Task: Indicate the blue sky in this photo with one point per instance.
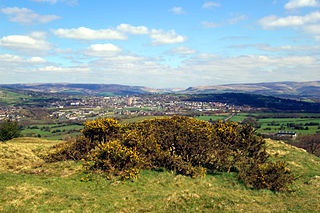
(159, 43)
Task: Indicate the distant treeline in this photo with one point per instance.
(258, 101)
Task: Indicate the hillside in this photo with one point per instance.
(280, 89)
(28, 184)
(283, 89)
(20, 97)
(258, 101)
(83, 89)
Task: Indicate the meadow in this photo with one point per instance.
(52, 131)
(274, 122)
(29, 184)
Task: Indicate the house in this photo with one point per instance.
(287, 134)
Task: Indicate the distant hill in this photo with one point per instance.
(279, 89)
(83, 89)
(258, 101)
(283, 89)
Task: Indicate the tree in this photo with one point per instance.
(311, 143)
(8, 130)
(252, 122)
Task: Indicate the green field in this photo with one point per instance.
(270, 123)
(52, 131)
(277, 124)
(29, 184)
(8, 97)
(135, 119)
(212, 117)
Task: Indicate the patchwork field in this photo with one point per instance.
(29, 184)
(303, 124)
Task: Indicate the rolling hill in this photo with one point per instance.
(83, 89)
(280, 89)
(283, 89)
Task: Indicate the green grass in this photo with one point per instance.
(55, 132)
(302, 118)
(213, 117)
(239, 117)
(8, 97)
(135, 119)
(28, 184)
(283, 121)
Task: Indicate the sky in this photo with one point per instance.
(159, 43)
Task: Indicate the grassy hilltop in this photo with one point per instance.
(29, 184)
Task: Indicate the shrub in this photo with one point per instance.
(114, 159)
(8, 130)
(176, 143)
(311, 143)
(73, 149)
(273, 176)
(181, 144)
(101, 129)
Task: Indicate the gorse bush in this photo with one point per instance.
(115, 160)
(181, 144)
(73, 149)
(101, 130)
(274, 176)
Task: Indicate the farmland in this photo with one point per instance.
(52, 131)
(303, 124)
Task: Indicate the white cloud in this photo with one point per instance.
(11, 65)
(177, 10)
(250, 68)
(182, 51)
(37, 60)
(283, 48)
(17, 60)
(83, 33)
(49, 1)
(25, 44)
(137, 30)
(237, 19)
(160, 37)
(207, 24)
(38, 35)
(293, 4)
(312, 29)
(26, 16)
(210, 4)
(72, 69)
(70, 2)
(273, 21)
(103, 50)
(133, 70)
(63, 51)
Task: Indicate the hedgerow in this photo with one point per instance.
(185, 145)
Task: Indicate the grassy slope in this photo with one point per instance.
(8, 97)
(29, 184)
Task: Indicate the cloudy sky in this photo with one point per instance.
(159, 43)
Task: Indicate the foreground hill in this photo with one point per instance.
(29, 184)
(294, 89)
